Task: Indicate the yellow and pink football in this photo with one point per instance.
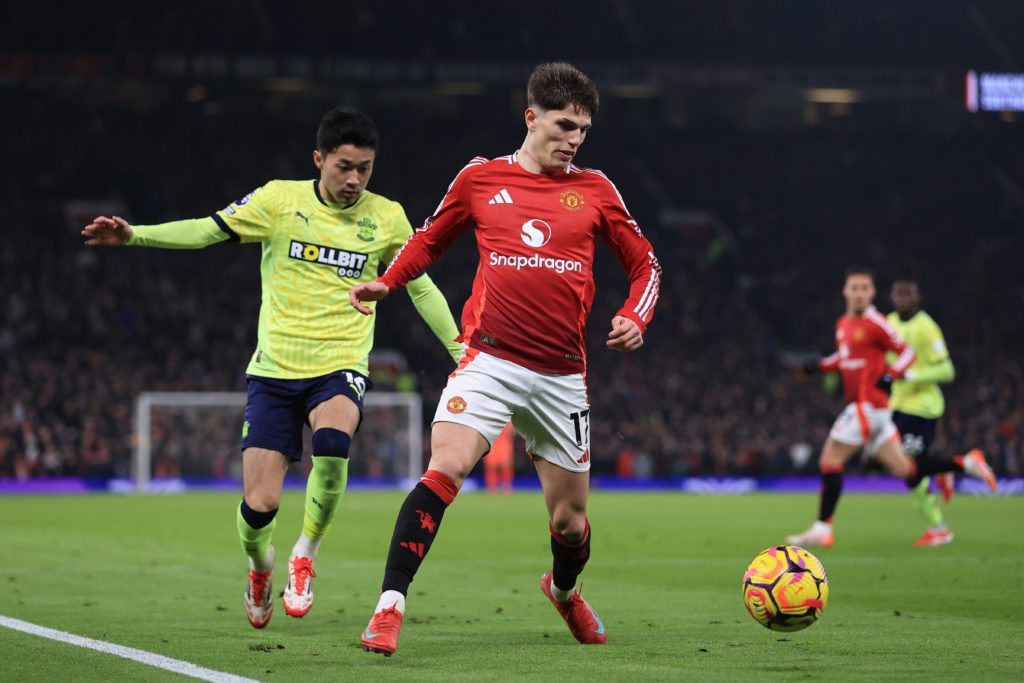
(785, 588)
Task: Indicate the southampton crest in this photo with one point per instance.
(366, 228)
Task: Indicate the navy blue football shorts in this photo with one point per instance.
(916, 432)
(277, 409)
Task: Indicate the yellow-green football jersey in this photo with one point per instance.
(924, 399)
(314, 252)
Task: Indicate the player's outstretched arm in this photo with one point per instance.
(192, 233)
(433, 308)
(625, 335)
(367, 291)
(941, 372)
(107, 231)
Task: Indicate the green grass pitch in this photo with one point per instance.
(165, 574)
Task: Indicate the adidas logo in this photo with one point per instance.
(502, 197)
(415, 547)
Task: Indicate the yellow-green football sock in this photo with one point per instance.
(324, 490)
(927, 503)
(255, 529)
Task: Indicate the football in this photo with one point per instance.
(785, 588)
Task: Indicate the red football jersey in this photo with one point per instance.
(536, 235)
(861, 343)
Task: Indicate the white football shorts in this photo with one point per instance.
(550, 411)
(862, 424)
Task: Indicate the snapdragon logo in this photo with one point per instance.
(559, 265)
(535, 233)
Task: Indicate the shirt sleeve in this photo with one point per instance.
(451, 218)
(623, 236)
(892, 341)
(936, 350)
(934, 363)
(433, 308)
(251, 218)
(194, 233)
(829, 363)
(400, 231)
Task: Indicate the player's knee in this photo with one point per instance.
(443, 486)
(902, 468)
(570, 523)
(453, 464)
(455, 449)
(331, 443)
(571, 534)
(831, 460)
(261, 500)
(256, 519)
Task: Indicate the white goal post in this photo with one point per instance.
(142, 461)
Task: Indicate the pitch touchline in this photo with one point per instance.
(159, 661)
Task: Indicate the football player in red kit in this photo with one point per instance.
(863, 336)
(537, 218)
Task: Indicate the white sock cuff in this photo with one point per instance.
(265, 564)
(561, 594)
(391, 599)
(306, 547)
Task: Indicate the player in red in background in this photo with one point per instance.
(499, 465)
(537, 219)
(862, 338)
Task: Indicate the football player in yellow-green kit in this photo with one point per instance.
(320, 238)
(917, 401)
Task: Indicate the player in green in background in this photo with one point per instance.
(917, 401)
(320, 238)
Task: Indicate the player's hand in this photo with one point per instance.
(810, 367)
(885, 383)
(896, 374)
(805, 370)
(105, 231)
(367, 291)
(625, 335)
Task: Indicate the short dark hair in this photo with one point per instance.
(345, 126)
(906, 273)
(558, 85)
(860, 270)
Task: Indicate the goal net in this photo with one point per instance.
(196, 436)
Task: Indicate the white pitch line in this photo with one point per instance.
(159, 661)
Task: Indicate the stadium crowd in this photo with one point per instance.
(753, 227)
(945, 33)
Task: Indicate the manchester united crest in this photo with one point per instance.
(571, 200)
(456, 404)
